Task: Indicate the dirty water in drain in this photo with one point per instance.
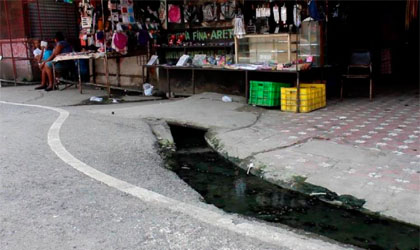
(230, 188)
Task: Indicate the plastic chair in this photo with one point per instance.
(360, 67)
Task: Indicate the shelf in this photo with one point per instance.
(264, 52)
(263, 42)
(267, 35)
(267, 52)
(277, 47)
(301, 55)
(197, 27)
(198, 47)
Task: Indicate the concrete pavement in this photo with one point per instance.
(67, 97)
(365, 154)
(47, 204)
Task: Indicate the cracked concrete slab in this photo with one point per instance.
(206, 110)
(353, 148)
(346, 170)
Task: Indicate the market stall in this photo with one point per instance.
(126, 32)
(262, 37)
(145, 41)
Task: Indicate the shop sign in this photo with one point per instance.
(206, 35)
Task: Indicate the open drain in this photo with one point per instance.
(231, 189)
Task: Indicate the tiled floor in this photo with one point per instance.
(390, 123)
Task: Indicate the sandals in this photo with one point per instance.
(41, 87)
(49, 89)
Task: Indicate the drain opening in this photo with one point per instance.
(230, 188)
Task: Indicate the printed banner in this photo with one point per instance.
(206, 35)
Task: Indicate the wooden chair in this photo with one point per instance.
(360, 67)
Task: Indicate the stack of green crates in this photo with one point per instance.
(265, 93)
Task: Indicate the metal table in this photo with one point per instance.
(193, 69)
(72, 57)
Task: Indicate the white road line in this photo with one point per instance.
(265, 233)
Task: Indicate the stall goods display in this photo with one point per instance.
(121, 30)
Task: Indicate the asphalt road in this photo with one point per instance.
(45, 203)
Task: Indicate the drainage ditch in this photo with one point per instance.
(230, 188)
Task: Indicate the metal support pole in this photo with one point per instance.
(67, 26)
(93, 63)
(118, 71)
(80, 77)
(39, 20)
(169, 82)
(297, 67)
(325, 36)
(142, 74)
(193, 81)
(27, 50)
(246, 86)
(108, 87)
(10, 40)
(53, 71)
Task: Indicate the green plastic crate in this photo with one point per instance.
(265, 93)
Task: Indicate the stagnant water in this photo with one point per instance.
(231, 189)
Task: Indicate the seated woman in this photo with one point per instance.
(62, 46)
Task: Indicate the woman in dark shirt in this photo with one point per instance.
(61, 47)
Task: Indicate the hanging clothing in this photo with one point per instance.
(143, 37)
(313, 10)
(297, 8)
(209, 12)
(283, 13)
(195, 15)
(411, 12)
(162, 14)
(267, 11)
(99, 39)
(227, 10)
(119, 42)
(276, 14)
(187, 13)
(83, 38)
(100, 24)
(238, 24)
(174, 13)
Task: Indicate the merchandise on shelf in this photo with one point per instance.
(124, 28)
(174, 13)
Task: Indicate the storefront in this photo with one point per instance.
(222, 45)
(257, 36)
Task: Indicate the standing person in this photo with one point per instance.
(62, 46)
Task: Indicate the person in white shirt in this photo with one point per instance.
(37, 51)
(41, 56)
